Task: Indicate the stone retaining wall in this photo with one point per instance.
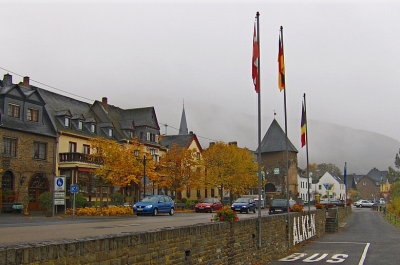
(209, 243)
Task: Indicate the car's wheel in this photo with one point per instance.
(211, 210)
(254, 210)
(155, 212)
(361, 205)
(247, 210)
(196, 211)
(172, 211)
(138, 214)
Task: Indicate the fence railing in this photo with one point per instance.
(393, 219)
(390, 217)
(78, 157)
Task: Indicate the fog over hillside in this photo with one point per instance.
(328, 143)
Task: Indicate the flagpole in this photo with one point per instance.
(345, 183)
(308, 170)
(259, 133)
(287, 152)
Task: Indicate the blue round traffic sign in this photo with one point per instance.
(60, 182)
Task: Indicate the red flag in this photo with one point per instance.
(256, 55)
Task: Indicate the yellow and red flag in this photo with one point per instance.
(255, 60)
(281, 66)
(303, 126)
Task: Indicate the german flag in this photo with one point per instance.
(303, 126)
(281, 66)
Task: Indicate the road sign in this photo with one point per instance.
(74, 188)
(59, 184)
(276, 171)
(59, 201)
(59, 195)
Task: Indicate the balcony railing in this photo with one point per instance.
(78, 157)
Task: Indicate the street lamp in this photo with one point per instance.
(144, 176)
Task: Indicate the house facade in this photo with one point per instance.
(28, 145)
(330, 187)
(304, 187)
(46, 134)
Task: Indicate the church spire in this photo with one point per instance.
(183, 129)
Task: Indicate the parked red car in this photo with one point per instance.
(208, 205)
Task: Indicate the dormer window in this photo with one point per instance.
(80, 125)
(14, 110)
(110, 132)
(67, 122)
(92, 128)
(33, 115)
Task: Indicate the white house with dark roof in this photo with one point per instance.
(330, 187)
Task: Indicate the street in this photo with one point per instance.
(18, 229)
(366, 239)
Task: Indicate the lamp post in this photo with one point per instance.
(144, 176)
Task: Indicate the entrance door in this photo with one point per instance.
(37, 185)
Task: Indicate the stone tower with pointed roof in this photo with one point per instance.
(273, 156)
(183, 129)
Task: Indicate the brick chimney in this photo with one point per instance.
(7, 80)
(25, 83)
(104, 101)
(233, 143)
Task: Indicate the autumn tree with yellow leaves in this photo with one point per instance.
(179, 169)
(119, 164)
(230, 168)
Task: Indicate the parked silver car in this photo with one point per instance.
(363, 203)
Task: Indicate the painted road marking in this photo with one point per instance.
(364, 254)
(327, 257)
(336, 258)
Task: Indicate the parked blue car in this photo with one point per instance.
(154, 204)
(244, 205)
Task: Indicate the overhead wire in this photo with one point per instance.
(89, 99)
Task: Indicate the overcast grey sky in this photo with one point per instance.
(343, 54)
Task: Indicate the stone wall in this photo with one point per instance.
(209, 243)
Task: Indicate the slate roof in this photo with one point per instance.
(377, 175)
(183, 128)
(59, 105)
(180, 140)
(275, 140)
(352, 180)
(44, 127)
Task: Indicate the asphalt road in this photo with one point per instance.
(366, 239)
(17, 229)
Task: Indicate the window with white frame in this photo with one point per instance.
(67, 122)
(80, 125)
(92, 128)
(110, 132)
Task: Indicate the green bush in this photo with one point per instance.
(117, 198)
(80, 201)
(46, 201)
(189, 204)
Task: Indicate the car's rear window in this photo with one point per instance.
(279, 203)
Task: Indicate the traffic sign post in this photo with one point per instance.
(74, 189)
(59, 192)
